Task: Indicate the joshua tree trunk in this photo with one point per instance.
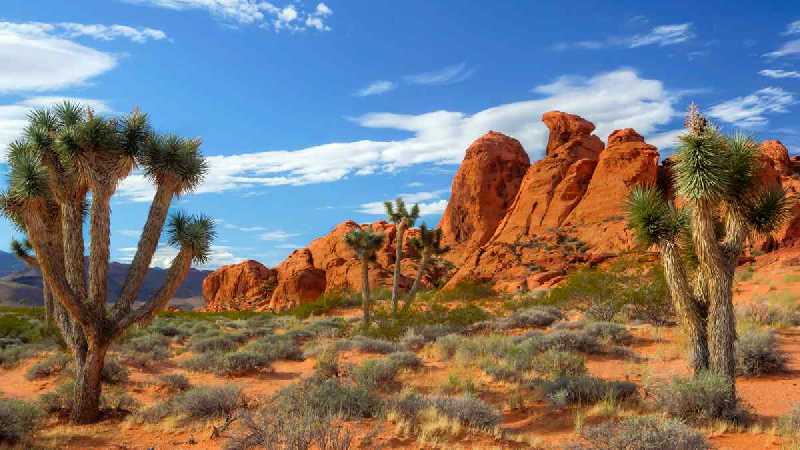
(692, 314)
(88, 387)
(365, 300)
(423, 263)
(401, 230)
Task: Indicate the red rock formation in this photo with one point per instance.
(247, 285)
(483, 188)
(298, 281)
(563, 127)
(778, 156)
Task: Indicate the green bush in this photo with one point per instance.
(644, 433)
(757, 353)
(697, 399)
(214, 344)
(208, 402)
(289, 429)
(18, 421)
(328, 397)
(466, 409)
(204, 362)
(114, 372)
(374, 373)
(59, 400)
(466, 291)
(174, 382)
(585, 390)
(275, 348)
(48, 367)
(325, 303)
(21, 327)
(243, 363)
(554, 364)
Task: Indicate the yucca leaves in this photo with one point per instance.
(398, 212)
(430, 240)
(652, 218)
(364, 242)
(169, 157)
(767, 210)
(701, 168)
(195, 233)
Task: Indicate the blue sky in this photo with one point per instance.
(312, 113)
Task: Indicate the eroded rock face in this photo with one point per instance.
(247, 285)
(298, 281)
(483, 188)
(569, 207)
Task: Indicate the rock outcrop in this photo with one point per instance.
(483, 188)
(568, 208)
(247, 285)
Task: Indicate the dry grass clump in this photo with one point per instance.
(643, 433)
(757, 353)
(18, 422)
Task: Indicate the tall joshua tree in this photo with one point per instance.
(66, 154)
(725, 202)
(428, 245)
(365, 243)
(403, 219)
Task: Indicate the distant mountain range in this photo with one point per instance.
(20, 285)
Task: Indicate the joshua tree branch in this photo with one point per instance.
(100, 229)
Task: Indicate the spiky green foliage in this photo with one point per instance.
(192, 232)
(21, 249)
(365, 242)
(652, 218)
(701, 168)
(767, 210)
(741, 156)
(27, 178)
(166, 158)
(430, 240)
(398, 212)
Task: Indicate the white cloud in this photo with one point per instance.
(665, 140)
(778, 73)
(664, 35)
(31, 59)
(276, 235)
(376, 88)
(13, 117)
(787, 49)
(252, 12)
(430, 203)
(749, 111)
(111, 32)
(447, 75)
(611, 100)
(129, 233)
(416, 184)
(220, 255)
(792, 28)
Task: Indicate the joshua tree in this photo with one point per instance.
(725, 202)
(365, 243)
(23, 251)
(428, 244)
(66, 154)
(403, 220)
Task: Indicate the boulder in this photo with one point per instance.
(482, 191)
(298, 281)
(247, 285)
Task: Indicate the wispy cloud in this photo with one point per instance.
(661, 36)
(376, 88)
(253, 12)
(750, 111)
(447, 75)
(74, 30)
(220, 255)
(276, 236)
(32, 58)
(430, 203)
(611, 100)
(787, 49)
(778, 73)
(792, 28)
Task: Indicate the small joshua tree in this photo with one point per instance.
(725, 202)
(66, 154)
(428, 245)
(403, 220)
(365, 243)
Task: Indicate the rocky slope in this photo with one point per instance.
(518, 225)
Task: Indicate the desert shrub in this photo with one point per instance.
(610, 332)
(585, 390)
(405, 360)
(645, 433)
(18, 421)
(369, 345)
(146, 342)
(500, 371)
(700, 398)
(327, 363)
(22, 327)
(415, 409)
(412, 340)
(632, 290)
(571, 341)
(790, 423)
(114, 372)
(466, 291)
(166, 328)
(14, 352)
(48, 367)
(174, 382)
(289, 430)
(537, 316)
(274, 348)
(216, 343)
(328, 397)
(204, 362)
(243, 363)
(59, 400)
(374, 373)
(757, 353)
(325, 326)
(118, 402)
(554, 364)
(208, 402)
(325, 303)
